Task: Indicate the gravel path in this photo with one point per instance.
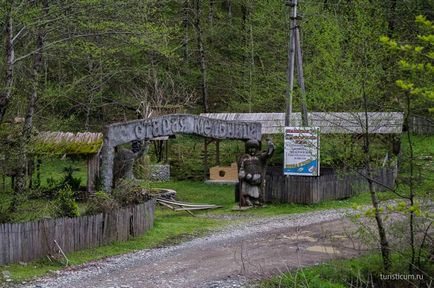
(230, 257)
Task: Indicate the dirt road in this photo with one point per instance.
(233, 257)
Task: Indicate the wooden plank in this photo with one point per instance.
(3, 244)
(7, 244)
(33, 240)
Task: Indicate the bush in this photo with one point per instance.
(141, 167)
(101, 202)
(69, 179)
(5, 215)
(130, 192)
(65, 205)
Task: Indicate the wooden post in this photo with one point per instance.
(167, 152)
(300, 76)
(92, 171)
(205, 159)
(38, 172)
(217, 152)
(291, 55)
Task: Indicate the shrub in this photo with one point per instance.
(69, 179)
(65, 203)
(141, 167)
(5, 215)
(97, 183)
(101, 202)
(130, 192)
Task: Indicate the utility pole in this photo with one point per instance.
(294, 51)
(300, 76)
(291, 55)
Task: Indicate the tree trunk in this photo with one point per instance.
(28, 123)
(6, 94)
(211, 13)
(411, 188)
(384, 243)
(202, 61)
(185, 24)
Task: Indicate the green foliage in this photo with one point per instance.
(100, 202)
(107, 61)
(416, 60)
(69, 179)
(9, 144)
(54, 185)
(65, 204)
(364, 271)
(130, 192)
(5, 215)
(141, 167)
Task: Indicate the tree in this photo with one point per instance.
(6, 91)
(416, 63)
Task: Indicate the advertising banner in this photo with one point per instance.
(301, 151)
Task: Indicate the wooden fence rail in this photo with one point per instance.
(34, 240)
(331, 186)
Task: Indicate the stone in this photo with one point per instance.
(6, 274)
(159, 173)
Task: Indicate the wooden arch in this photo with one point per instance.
(121, 133)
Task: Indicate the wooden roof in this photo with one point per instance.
(68, 143)
(329, 122)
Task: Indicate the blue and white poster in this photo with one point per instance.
(301, 151)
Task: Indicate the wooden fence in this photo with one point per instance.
(34, 240)
(329, 186)
(421, 125)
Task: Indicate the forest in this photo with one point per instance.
(79, 65)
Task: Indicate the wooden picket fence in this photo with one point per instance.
(330, 186)
(34, 240)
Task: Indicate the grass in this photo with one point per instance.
(364, 271)
(53, 168)
(223, 195)
(423, 149)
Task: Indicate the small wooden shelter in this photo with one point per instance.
(85, 144)
(382, 123)
(329, 122)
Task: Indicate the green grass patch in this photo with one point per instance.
(364, 271)
(53, 168)
(199, 192)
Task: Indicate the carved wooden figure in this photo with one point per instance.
(251, 172)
